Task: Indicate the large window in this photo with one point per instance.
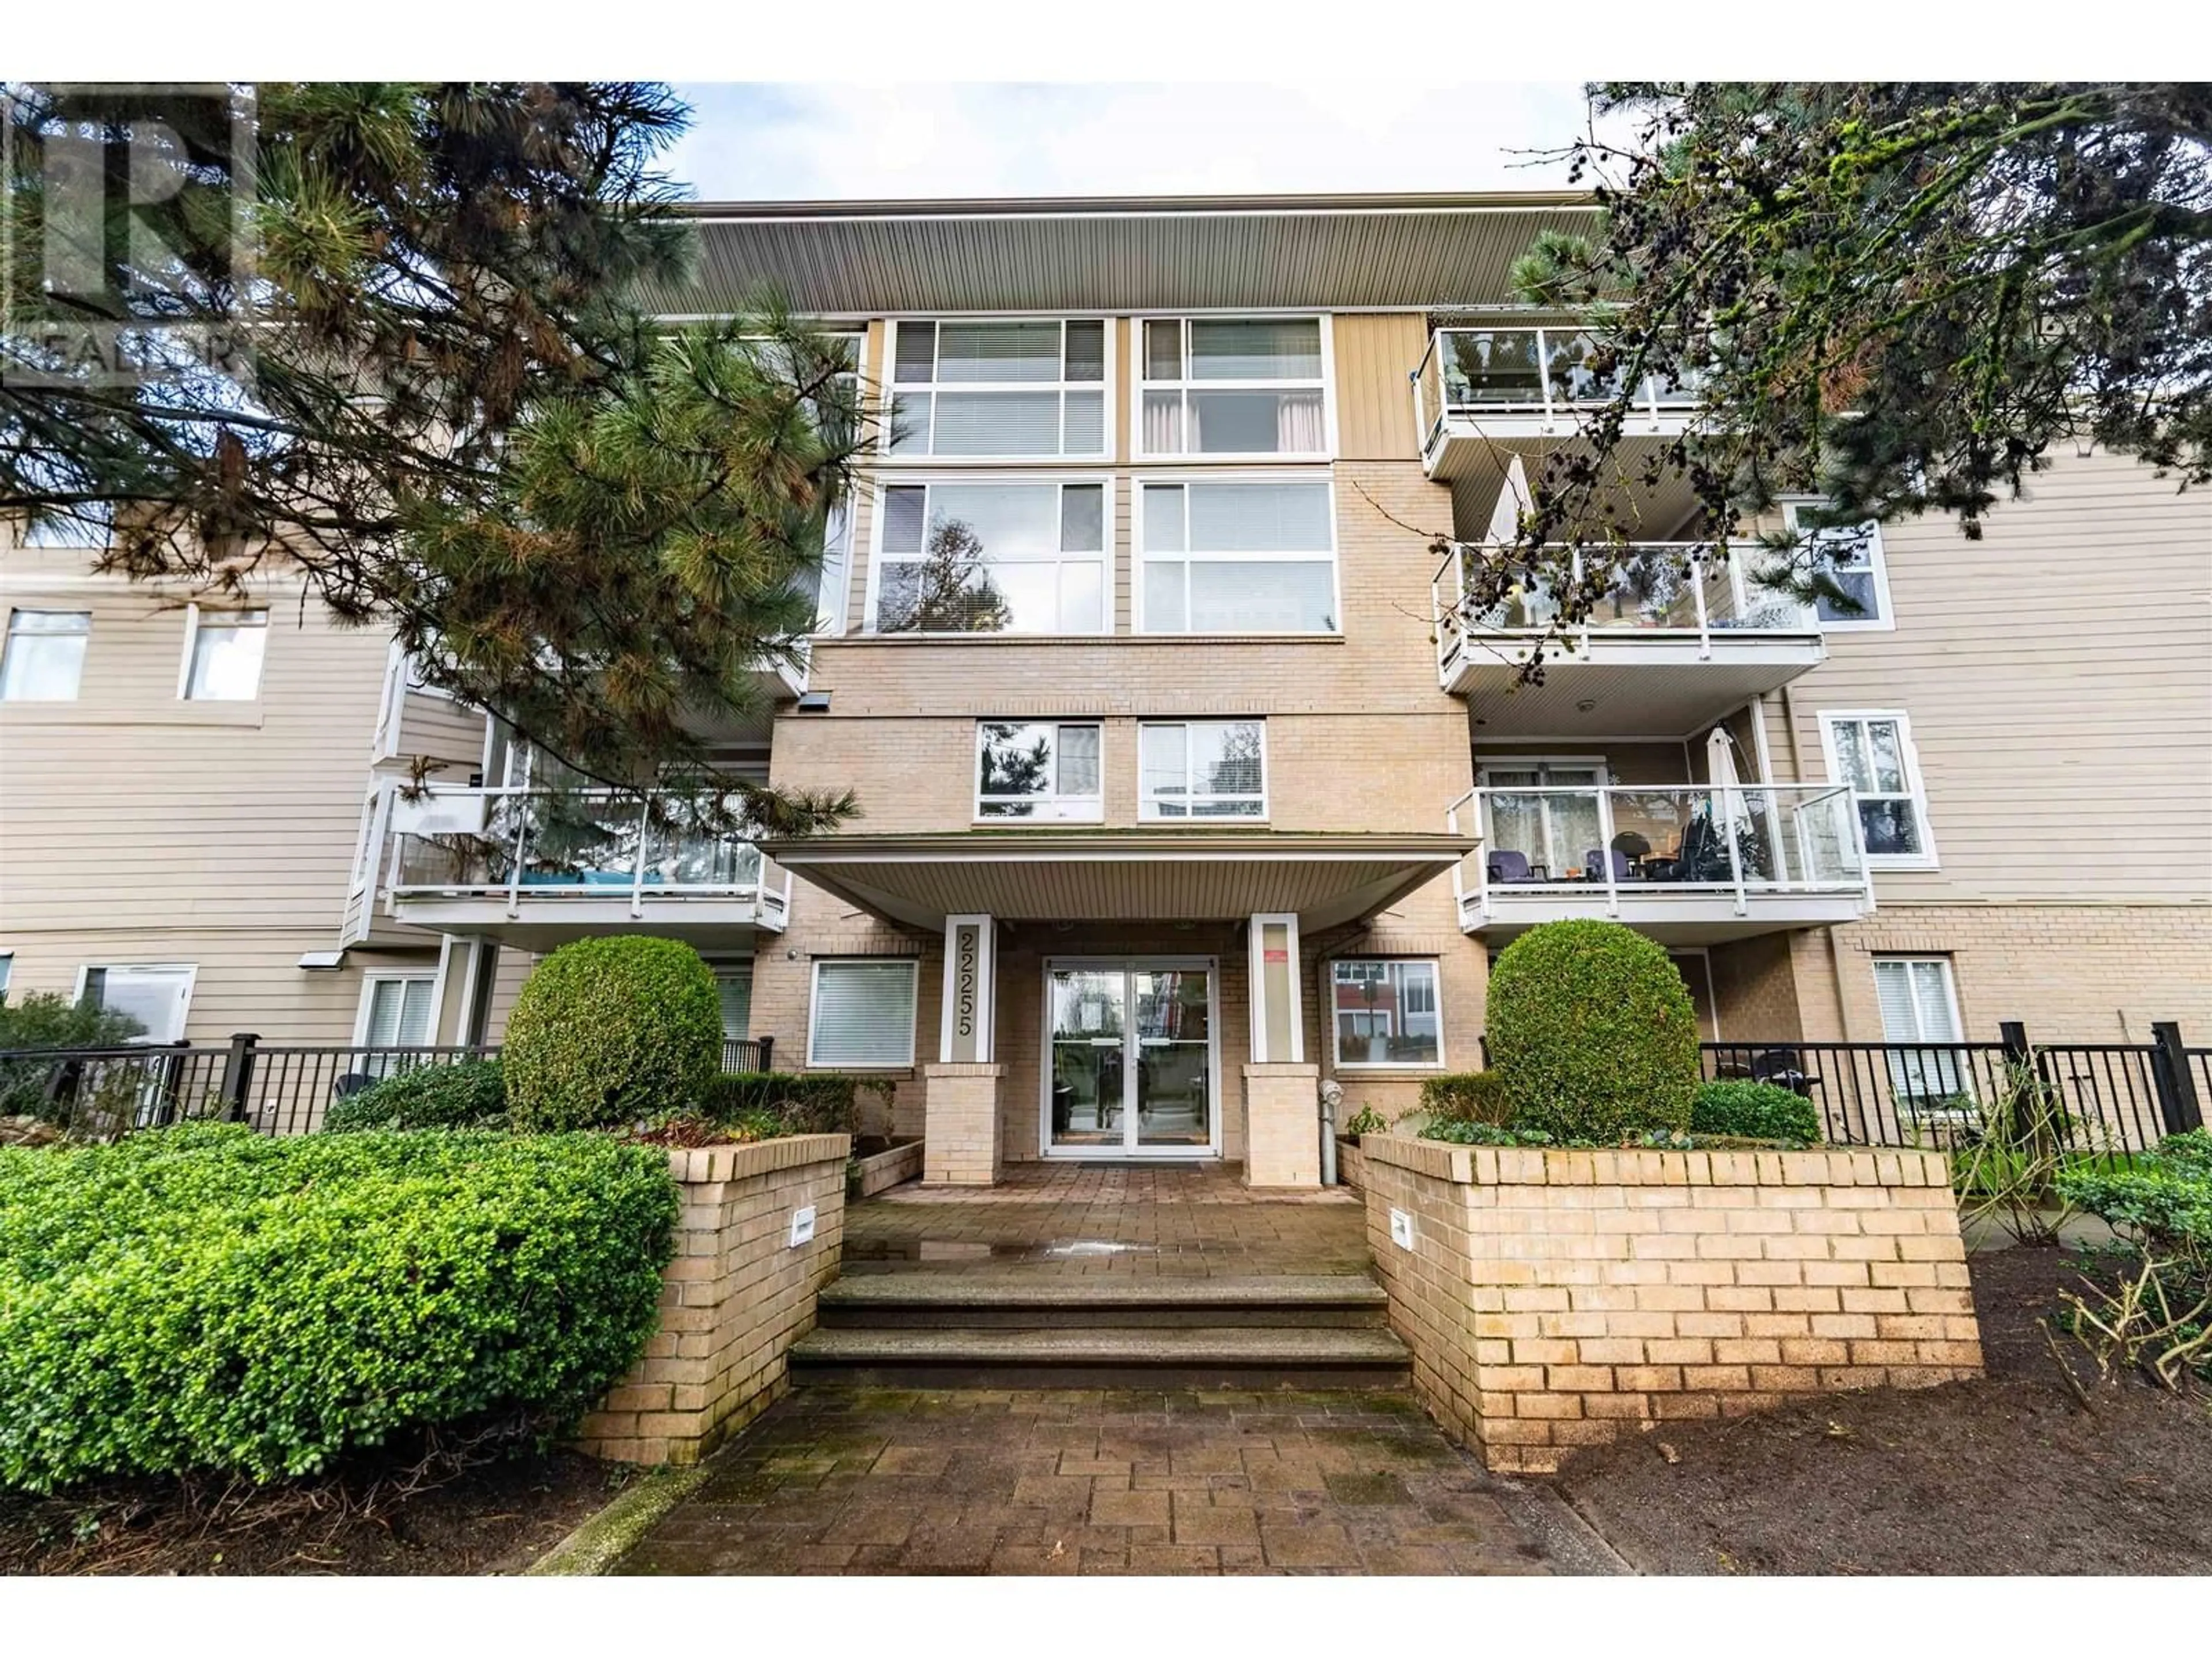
(998, 390)
(997, 557)
(223, 655)
(44, 657)
(155, 996)
(1238, 555)
(1226, 385)
(1202, 770)
(1852, 559)
(1872, 751)
(1386, 1013)
(863, 1014)
(1038, 769)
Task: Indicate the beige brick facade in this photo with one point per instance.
(961, 1146)
(736, 1297)
(1554, 1299)
(1282, 1124)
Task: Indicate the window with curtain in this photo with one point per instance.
(1238, 555)
(1920, 1005)
(992, 557)
(999, 390)
(1385, 1013)
(43, 660)
(1227, 385)
(1042, 770)
(1873, 752)
(1202, 770)
(224, 664)
(863, 1014)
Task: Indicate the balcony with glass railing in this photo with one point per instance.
(1687, 863)
(1480, 387)
(530, 866)
(1681, 637)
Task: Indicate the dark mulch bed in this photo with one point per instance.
(497, 1517)
(2005, 1475)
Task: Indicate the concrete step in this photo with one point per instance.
(1034, 1301)
(1105, 1356)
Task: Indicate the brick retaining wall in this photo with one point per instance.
(1553, 1298)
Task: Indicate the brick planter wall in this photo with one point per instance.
(1556, 1298)
(879, 1171)
(736, 1297)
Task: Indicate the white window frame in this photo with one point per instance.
(1329, 1003)
(371, 978)
(1139, 386)
(1140, 558)
(913, 966)
(1146, 803)
(193, 614)
(1907, 1068)
(7, 970)
(893, 388)
(1097, 802)
(1909, 755)
(1881, 619)
(7, 643)
(929, 480)
(191, 970)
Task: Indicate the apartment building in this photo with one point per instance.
(1183, 791)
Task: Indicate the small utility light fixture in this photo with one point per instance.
(322, 961)
(814, 703)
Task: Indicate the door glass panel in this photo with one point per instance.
(1174, 1086)
(1089, 1039)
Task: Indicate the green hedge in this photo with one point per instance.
(800, 1102)
(1757, 1111)
(47, 1020)
(613, 1031)
(203, 1298)
(1593, 1028)
(1467, 1097)
(470, 1094)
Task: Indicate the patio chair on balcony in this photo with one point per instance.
(1507, 867)
(1593, 863)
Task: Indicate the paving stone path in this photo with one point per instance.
(849, 1479)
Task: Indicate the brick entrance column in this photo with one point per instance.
(960, 1124)
(1282, 1124)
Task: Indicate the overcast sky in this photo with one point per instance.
(796, 142)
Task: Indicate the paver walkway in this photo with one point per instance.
(838, 1480)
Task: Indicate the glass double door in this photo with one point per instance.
(1129, 1060)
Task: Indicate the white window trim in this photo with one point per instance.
(1138, 385)
(976, 773)
(1884, 619)
(7, 642)
(1145, 815)
(192, 612)
(371, 978)
(891, 388)
(1909, 753)
(1139, 558)
(913, 966)
(1436, 983)
(924, 479)
(1950, 993)
(191, 970)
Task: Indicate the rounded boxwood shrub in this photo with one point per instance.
(1757, 1111)
(470, 1094)
(203, 1298)
(1593, 1028)
(613, 1031)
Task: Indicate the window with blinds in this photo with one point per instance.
(1920, 1006)
(960, 556)
(998, 390)
(397, 1014)
(863, 1014)
(1238, 555)
(735, 988)
(1232, 386)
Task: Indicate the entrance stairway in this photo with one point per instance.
(1031, 1329)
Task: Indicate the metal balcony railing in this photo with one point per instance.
(1533, 372)
(1634, 841)
(512, 844)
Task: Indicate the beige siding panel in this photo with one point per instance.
(1375, 355)
(444, 731)
(2058, 677)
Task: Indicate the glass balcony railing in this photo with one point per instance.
(1545, 372)
(1633, 840)
(512, 844)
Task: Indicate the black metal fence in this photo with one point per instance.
(2112, 1097)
